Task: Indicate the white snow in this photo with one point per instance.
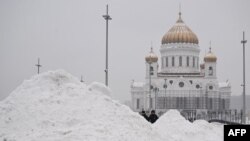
(137, 84)
(172, 124)
(55, 106)
(224, 84)
(100, 88)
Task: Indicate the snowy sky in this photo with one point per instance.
(70, 35)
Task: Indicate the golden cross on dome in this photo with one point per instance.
(180, 10)
(210, 48)
(151, 48)
(179, 20)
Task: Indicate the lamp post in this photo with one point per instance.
(156, 90)
(150, 59)
(200, 96)
(150, 87)
(165, 87)
(244, 82)
(38, 66)
(107, 18)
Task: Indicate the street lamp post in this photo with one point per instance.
(38, 66)
(156, 90)
(107, 18)
(150, 87)
(165, 87)
(244, 82)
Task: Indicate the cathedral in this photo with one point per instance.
(182, 82)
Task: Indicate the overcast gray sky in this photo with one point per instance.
(70, 35)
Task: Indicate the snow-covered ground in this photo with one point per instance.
(55, 106)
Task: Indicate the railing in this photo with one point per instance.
(224, 122)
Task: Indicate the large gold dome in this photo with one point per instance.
(180, 33)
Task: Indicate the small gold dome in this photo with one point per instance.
(210, 57)
(151, 57)
(180, 33)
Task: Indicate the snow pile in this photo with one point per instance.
(100, 88)
(210, 131)
(55, 106)
(172, 124)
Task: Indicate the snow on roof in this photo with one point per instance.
(224, 84)
(137, 84)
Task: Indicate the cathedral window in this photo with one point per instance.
(137, 103)
(171, 82)
(173, 61)
(193, 61)
(180, 61)
(210, 87)
(197, 86)
(162, 59)
(197, 63)
(166, 61)
(210, 71)
(191, 82)
(151, 70)
(187, 61)
(181, 84)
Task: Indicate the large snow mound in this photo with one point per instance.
(100, 88)
(55, 106)
(173, 124)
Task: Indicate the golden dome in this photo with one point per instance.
(180, 33)
(151, 57)
(210, 57)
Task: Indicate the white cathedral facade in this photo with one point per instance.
(181, 82)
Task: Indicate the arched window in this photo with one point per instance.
(166, 61)
(180, 61)
(197, 63)
(187, 61)
(162, 62)
(152, 70)
(193, 61)
(210, 71)
(210, 87)
(173, 61)
(137, 103)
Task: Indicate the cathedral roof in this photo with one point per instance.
(180, 33)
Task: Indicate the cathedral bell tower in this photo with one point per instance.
(151, 64)
(210, 64)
